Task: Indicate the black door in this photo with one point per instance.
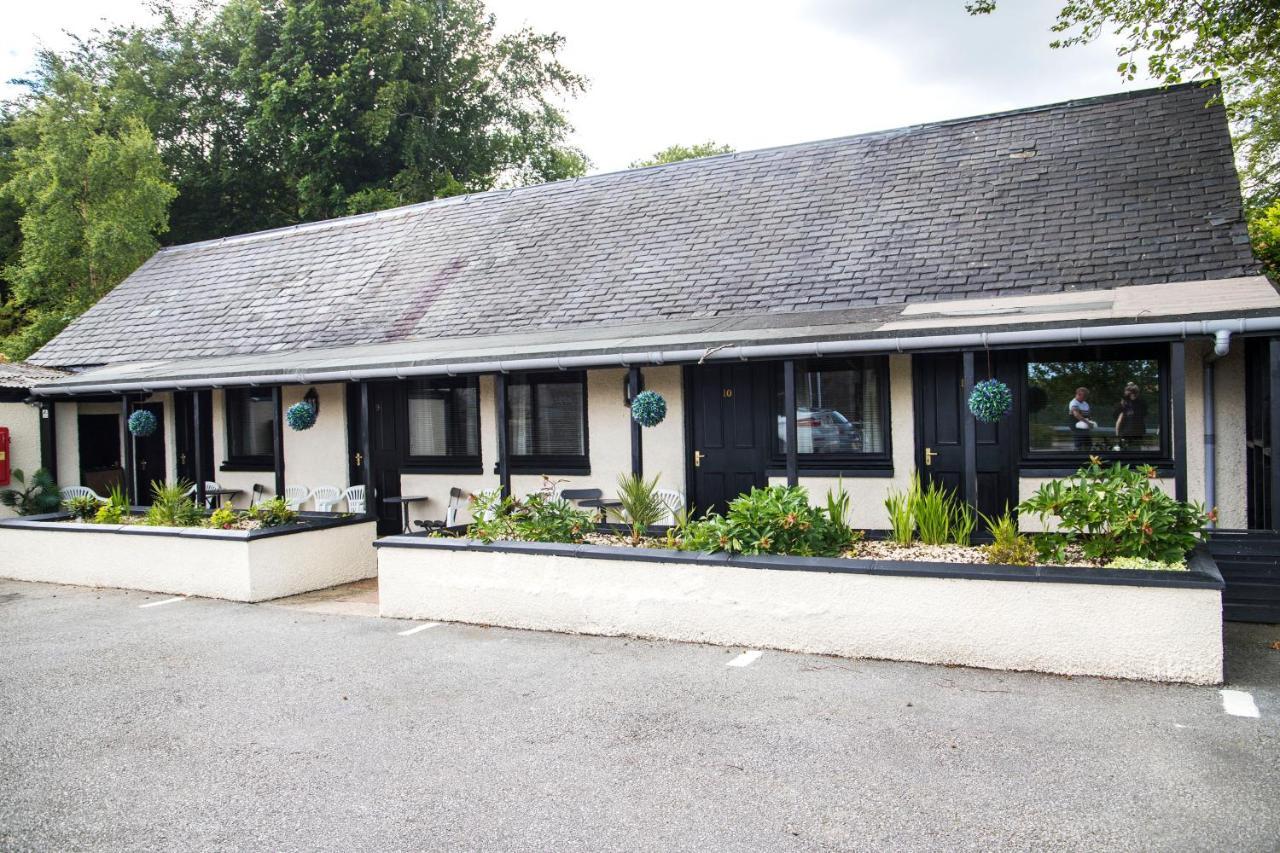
(1257, 408)
(940, 405)
(184, 434)
(148, 455)
(385, 455)
(729, 420)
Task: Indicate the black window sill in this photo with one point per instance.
(442, 468)
(549, 470)
(834, 472)
(247, 465)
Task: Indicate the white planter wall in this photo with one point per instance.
(188, 561)
(1140, 632)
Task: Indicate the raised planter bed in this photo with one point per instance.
(1151, 625)
(241, 565)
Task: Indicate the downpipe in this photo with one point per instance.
(1221, 346)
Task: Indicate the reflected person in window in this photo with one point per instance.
(1082, 426)
(1131, 419)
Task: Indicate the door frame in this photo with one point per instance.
(1004, 362)
(690, 410)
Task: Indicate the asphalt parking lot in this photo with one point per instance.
(198, 725)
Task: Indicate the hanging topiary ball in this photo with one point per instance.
(143, 423)
(990, 401)
(648, 408)
(300, 416)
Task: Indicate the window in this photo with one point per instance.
(251, 424)
(1104, 401)
(841, 413)
(547, 421)
(443, 421)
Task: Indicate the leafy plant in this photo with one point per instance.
(902, 516)
(963, 520)
(1140, 563)
(1115, 511)
(115, 510)
(641, 507)
(774, 520)
(223, 518)
(934, 507)
(172, 506)
(34, 498)
(82, 507)
(273, 513)
(1009, 547)
(540, 517)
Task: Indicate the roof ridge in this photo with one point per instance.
(697, 162)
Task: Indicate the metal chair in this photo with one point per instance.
(673, 500)
(455, 504)
(69, 492)
(325, 497)
(255, 497)
(354, 497)
(296, 496)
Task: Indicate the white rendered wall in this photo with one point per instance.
(23, 422)
(230, 566)
(1157, 634)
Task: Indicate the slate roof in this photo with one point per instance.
(19, 374)
(1126, 189)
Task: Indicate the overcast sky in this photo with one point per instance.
(746, 72)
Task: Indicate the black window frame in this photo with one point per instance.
(244, 462)
(878, 464)
(1056, 462)
(567, 464)
(469, 463)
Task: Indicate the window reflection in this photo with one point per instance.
(838, 410)
(1094, 406)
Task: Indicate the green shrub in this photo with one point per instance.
(223, 518)
(82, 508)
(1140, 563)
(775, 520)
(273, 513)
(1008, 548)
(172, 506)
(115, 510)
(1116, 511)
(35, 498)
(540, 517)
(641, 507)
(933, 511)
(934, 507)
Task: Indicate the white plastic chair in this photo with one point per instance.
(296, 496)
(209, 485)
(355, 499)
(325, 497)
(673, 500)
(69, 492)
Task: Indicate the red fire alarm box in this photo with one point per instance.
(4, 456)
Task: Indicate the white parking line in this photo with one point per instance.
(1239, 703)
(165, 601)
(415, 630)
(746, 658)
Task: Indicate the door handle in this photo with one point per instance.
(359, 458)
(929, 453)
(698, 456)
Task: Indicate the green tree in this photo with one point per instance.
(1235, 41)
(676, 153)
(273, 112)
(94, 196)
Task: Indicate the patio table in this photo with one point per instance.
(216, 495)
(603, 504)
(404, 501)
